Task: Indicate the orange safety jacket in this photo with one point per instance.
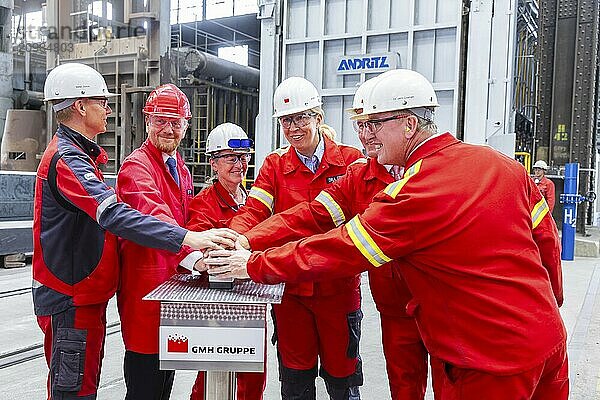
(335, 205)
(479, 251)
(144, 182)
(546, 187)
(213, 207)
(283, 182)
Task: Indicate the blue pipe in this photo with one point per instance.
(569, 199)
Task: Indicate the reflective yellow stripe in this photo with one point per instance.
(539, 212)
(393, 189)
(365, 243)
(263, 196)
(334, 209)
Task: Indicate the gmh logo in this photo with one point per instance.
(177, 343)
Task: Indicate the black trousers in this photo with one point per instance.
(143, 378)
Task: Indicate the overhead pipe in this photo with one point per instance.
(201, 64)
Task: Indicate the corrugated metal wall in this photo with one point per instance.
(423, 35)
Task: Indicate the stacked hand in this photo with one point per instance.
(228, 263)
(218, 238)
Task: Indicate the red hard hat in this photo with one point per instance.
(168, 101)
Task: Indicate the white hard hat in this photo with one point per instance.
(228, 136)
(359, 97)
(294, 95)
(400, 89)
(540, 164)
(74, 81)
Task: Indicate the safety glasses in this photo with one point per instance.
(375, 125)
(176, 124)
(299, 120)
(102, 101)
(358, 126)
(233, 158)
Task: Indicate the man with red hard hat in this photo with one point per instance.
(77, 218)
(154, 180)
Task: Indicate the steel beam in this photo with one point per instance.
(545, 56)
(584, 101)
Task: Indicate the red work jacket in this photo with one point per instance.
(144, 182)
(76, 218)
(283, 182)
(213, 207)
(337, 204)
(546, 187)
(470, 242)
(66, 274)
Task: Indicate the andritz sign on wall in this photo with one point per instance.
(367, 63)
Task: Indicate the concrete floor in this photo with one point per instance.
(581, 313)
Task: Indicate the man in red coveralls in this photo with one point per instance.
(77, 218)
(154, 180)
(405, 354)
(545, 185)
(479, 252)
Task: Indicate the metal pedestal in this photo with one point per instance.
(213, 330)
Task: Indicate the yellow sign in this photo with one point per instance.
(561, 134)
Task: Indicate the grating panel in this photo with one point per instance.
(194, 289)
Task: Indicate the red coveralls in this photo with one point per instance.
(405, 354)
(75, 261)
(144, 182)
(314, 320)
(210, 209)
(546, 187)
(480, 254)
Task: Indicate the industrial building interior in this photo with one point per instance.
(228, 56)
(125, 41)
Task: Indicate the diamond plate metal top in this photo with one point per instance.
(194, 289)
(212, 312)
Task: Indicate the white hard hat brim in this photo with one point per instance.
(352, 111)
(107, 95)
(295, 110)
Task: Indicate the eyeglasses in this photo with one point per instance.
(103, 101)
(375, 125)
(358, 126)
(300, 120)
(176, 125)
(234, 158)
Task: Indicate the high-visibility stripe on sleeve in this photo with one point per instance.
(393, 189)
(334, 209)
(104, 205)
(263, 196)
(539, 212)
(365, 243)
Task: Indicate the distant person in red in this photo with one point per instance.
(545, 185)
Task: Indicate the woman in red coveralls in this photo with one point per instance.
(405, 354)
(318, 320)
(229, 149)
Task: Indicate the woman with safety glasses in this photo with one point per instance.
(320, 320)
(228, 149)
